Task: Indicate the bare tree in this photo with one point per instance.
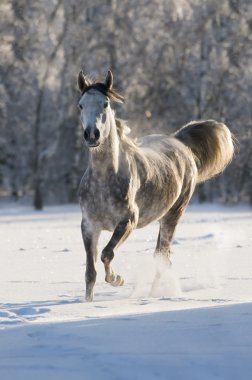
(174, 61)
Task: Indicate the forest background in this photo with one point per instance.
(173, 60)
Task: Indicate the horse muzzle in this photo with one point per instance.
(92, 136)
(92, 144)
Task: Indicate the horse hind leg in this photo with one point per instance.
(167, 229)
(161, 256)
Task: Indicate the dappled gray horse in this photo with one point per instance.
(129, 184)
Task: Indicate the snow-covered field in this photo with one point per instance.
(199, 325)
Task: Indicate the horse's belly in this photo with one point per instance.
(154, 205)
(150, 214)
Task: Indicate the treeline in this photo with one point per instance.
(173, 60)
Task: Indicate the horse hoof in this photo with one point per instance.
(119, 281)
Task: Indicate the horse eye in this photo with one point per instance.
(106, 104)
(80, 107)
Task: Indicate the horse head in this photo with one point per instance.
(95, 108)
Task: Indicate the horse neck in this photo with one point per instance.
(106, 157)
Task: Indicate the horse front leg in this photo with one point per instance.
(121, 232)
(90, 237)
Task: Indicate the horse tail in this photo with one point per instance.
(211, 144)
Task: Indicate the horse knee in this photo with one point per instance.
(107, 256)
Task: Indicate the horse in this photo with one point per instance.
(129, 184)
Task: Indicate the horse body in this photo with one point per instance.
(153, 185)
(129, 184)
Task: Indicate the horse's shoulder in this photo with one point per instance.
(85, 183)
(84, 179)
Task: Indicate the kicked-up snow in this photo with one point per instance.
(196, 325)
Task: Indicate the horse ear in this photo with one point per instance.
(82, 82)
(109, 80)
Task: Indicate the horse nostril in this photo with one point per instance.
(97, 134)
(86, 135)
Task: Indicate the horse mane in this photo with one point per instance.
(101, 87)
(149, 160)
(122, 127)
(132, 147)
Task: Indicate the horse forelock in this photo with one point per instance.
(101, 87)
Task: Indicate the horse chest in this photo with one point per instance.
(104, 202)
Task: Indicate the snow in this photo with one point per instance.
(198, 325)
